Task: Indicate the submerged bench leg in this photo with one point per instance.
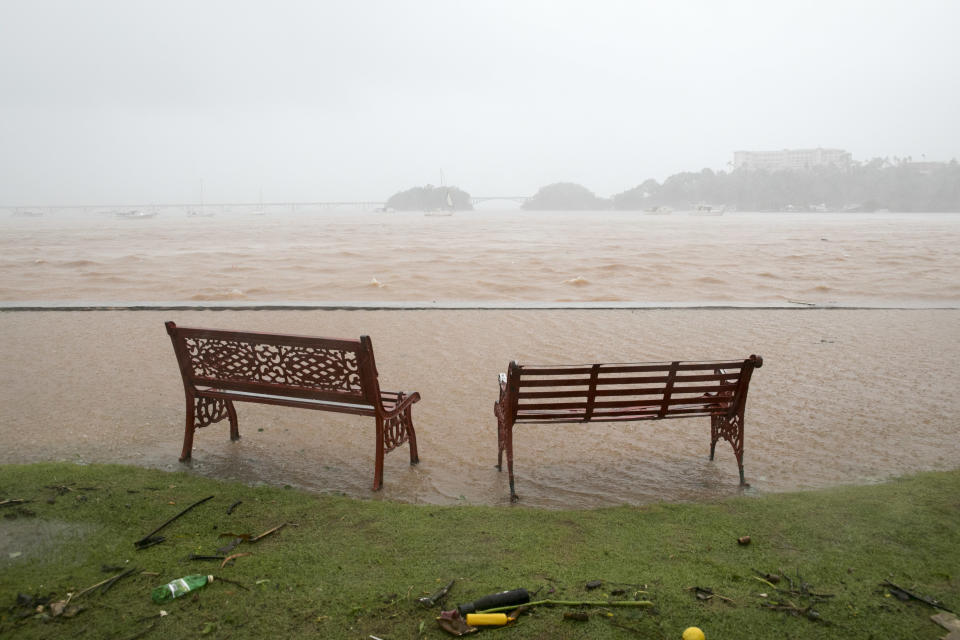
(188, 431)
(378, 459)
(500, 439)
(391, 433)
(232, 414)
(731, 430)
(202, 412)
(508, 437)
(411, 435)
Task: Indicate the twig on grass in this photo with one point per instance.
(925, 599)
(575, 603)
(149, 540)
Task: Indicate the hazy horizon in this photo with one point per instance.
(108, 101)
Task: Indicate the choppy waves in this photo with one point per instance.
(316, 257)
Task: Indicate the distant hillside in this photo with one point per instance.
(901, 185)
(565, 196)
(430, 198)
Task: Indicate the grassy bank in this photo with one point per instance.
(352, 568)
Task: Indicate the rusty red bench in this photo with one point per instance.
(625, 393)
(327, 374)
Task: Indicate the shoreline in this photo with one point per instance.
(457, 306)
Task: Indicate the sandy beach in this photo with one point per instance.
(844, 396)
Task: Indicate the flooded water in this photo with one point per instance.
(844, 396)
(498, 256)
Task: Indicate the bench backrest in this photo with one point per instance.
(328, 369)
(629, 391)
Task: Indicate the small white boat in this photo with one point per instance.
(135, 214)
(708, 210)
(658, 211)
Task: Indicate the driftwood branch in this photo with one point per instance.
(148, 540)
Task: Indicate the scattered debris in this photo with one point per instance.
(903, 594)
(275, 529)
(436, 598)
(233, 557)
(487, 619)
(743, 540)
(103, 585)
(452, 623)
(706, 593)
(11, 502)
(692, 633)
(594, 584)
(575, 603)
(230, 546)
(579, 616)
(234, 506)
(197, 556)
(495, 602)
(179, 587)
(799, 591)
(769, 578)
(149, 540)
(238, 584)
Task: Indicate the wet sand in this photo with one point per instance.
(844, 396)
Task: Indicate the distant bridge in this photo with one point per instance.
(367, 205)
(479, 199)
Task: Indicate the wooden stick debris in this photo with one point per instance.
(148, 540)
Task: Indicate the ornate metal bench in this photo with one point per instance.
(220, 367)
(625, 392)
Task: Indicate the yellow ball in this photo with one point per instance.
(693, 633)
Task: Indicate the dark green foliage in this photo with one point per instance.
(901, 185)
(430, 198)
(565, 196)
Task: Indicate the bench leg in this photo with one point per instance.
(500, 440)
(188, 431)
(411, 435)
(232, 414)
(731, 430)
(508, 442)
(378, 457)
(206, 411)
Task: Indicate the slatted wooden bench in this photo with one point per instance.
(623, 393)
(328, 374)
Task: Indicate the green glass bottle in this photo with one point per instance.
(179, 587)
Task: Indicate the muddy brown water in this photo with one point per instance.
(844, 396)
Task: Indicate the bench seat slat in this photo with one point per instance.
(647, 413)
(534, 370)
(305, 403)
(311, 393)
(576, 382)
(580, 393)
(653, 402)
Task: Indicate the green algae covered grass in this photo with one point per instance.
(347, 568)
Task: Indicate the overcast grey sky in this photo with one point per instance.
(134, 101)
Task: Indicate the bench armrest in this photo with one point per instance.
(404, 402)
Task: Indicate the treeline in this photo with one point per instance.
(871, 186)
(880, 184)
